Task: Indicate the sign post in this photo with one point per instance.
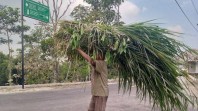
(22, 49)
(34, 10)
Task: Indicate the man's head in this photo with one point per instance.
(100, 55)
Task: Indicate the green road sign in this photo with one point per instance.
(36, 10)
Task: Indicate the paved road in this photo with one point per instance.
(74, 99)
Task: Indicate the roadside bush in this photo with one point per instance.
(74, 72)
(3, 69)
(40, 77)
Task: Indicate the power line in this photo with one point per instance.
(194, 6)
(186, 16)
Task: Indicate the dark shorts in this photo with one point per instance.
(98, 103)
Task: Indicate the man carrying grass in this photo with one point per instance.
(99, 81)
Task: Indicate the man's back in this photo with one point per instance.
(99, 79)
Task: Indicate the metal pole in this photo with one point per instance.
(22, 50)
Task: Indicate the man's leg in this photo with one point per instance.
(92, 104)
(100, 103)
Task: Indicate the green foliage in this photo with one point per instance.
(38, 69)
(38, 65)
(74, 71)
(142, 53)
(9, 17)
(3, 69)
(80, 12)
(38, 34)
(97, 4)
(41, 76)
(104, 11)
(47, 45)
(3, 41)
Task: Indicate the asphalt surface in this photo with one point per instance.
(73, 99)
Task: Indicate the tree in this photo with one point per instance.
(104, 11)
(55, 16)
(80, 12)
(9, 17)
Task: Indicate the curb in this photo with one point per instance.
(44, 87)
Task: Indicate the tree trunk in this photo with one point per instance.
(68, 71)
(56, 70)
(9, 61)
(56, 62)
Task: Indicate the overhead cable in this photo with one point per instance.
(186, 16)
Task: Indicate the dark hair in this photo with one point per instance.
(102, 53)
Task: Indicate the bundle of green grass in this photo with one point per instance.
(143, 54)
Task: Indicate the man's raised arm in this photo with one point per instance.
(87, 57)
